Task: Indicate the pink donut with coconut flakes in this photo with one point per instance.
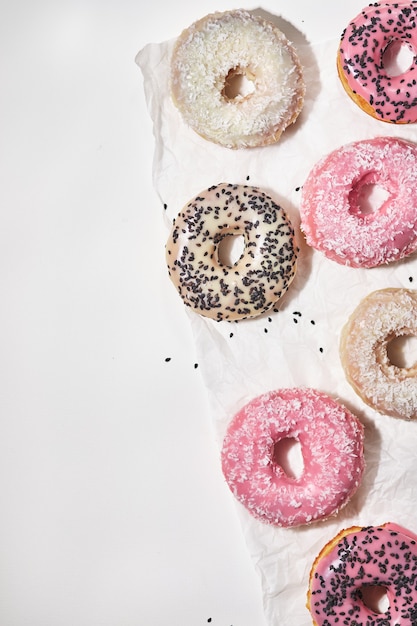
(337, 221)
(331, 441)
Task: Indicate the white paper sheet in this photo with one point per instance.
(299, 345)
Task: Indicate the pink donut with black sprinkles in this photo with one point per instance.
(332, 212)
(331, 441)
(358, 560)
(361, 67)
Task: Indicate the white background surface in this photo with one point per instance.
(113, 508)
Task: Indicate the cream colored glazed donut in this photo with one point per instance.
(359, 557)
(331, 440)
(208, 60)
(379, 318)
(331, 215)
(360, 61)
(262, 274)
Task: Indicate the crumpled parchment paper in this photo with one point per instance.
(299, 344)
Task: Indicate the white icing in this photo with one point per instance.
(380, 317)
(262, 274)
(202, 59)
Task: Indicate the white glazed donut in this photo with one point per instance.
(261, 275)
(331, 440)
(213, 53)
(380, 317)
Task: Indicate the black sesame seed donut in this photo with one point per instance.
(217, 52)
(360, 61)
(360, 557)
(261, 275)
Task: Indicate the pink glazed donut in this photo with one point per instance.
(332, 215)
(361, 67)
(331, 441)
(359, 558)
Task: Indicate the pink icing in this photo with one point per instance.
(332, 219)
(384, 556)
(364, 41)
(331, 440)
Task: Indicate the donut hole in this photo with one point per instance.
(367, 198)
(288, 455)
(397, 58)
(230, 249)
(238, 85)
(402, 351)
(375, 598)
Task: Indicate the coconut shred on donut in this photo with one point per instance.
(332, 216)
(262, 274)
(379, 318)
(361, 67)
(213, 56)
(331, 440)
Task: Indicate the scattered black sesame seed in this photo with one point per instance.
(167, 360)
(195, 366)
(297, 188)
(209, 619)
(321, 350)
(410, 278)
(247, 177)
(269, 319)
(231, 335)
(265, 330)
(295, 320)
(165, 206)
(297, 313)
(312, 322)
